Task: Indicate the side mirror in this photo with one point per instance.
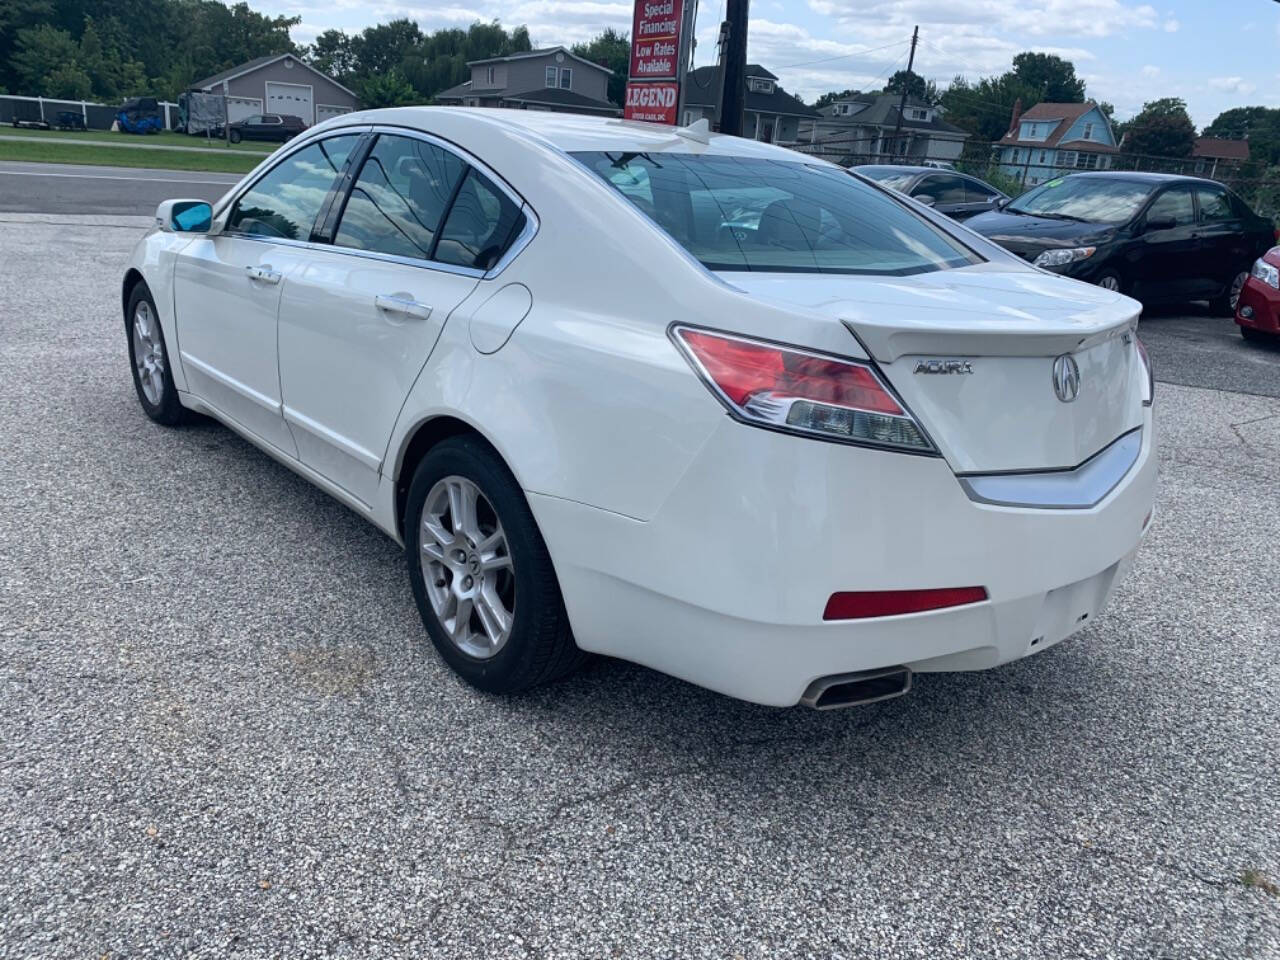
(184, 216)
(1160, 223)
(1002, 202)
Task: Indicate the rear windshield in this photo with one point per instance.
(1094, 200)
(740, 213)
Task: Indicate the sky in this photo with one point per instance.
(1215, 54)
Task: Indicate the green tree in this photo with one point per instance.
(1163, 128)
(832, 96)
(985, 107)
(388, 89)
(613, 50)
(42, 51)
(1259, 125)
(1053, 76)
(915, 85)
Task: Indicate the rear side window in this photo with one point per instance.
(286, 201)
(482, 223)
(1214, 204)
(400, 197)
(748, 213)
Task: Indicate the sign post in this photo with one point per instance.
(659, 56)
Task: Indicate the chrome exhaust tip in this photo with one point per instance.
(842, 690)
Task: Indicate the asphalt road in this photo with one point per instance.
(225, 734)
(72, 189)
(1190, 346)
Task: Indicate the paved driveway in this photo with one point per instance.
(224, 733)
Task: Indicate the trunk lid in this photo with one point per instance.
(972, 353)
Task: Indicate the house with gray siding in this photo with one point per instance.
(867, 128)
(769, 112)
(280, 83)
(549, 79)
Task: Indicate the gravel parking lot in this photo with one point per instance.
(225, 734)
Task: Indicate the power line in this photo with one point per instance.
(845, 56)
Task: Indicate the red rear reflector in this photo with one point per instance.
(861, 604)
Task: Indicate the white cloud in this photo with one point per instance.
(1172, 26)
(1232, 85)
(1150, 71)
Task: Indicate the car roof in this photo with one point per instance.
(1138, 176)
(900, 168)
(573, 132)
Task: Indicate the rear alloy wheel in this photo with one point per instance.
(149, 359)
(1225, 305)
(481, 573)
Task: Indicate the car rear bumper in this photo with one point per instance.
(1259, 307)
(727, 584)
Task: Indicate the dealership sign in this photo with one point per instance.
(653, 90)
(654, 102)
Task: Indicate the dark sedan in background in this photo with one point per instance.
(957, 195)
(278, 127)
(1159, 238)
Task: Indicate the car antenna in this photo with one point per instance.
(698, 131)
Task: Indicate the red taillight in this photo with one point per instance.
(861, 604)
(792, 389)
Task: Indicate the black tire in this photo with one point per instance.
(234, 136)
(165, 408)
(1221, 305)
(540, 647)
(1255, 336)
(1107, 277)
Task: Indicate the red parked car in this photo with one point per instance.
(1258, 310)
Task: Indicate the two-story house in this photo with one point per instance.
(550, 79)
(864, 128)
(769, 112)
(1051, 139)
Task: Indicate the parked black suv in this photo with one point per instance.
(1157, 237)
(266, 126)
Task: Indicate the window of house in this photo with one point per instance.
(286, 200)
(551, 76)
(1044, 154)
(760, 84)
(1013, 157)
(566, 78)
(398, 199)
(1068, 159)
(488, 76)
(1088, 132)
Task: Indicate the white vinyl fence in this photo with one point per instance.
(97, 116)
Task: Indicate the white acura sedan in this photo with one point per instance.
(694, 401)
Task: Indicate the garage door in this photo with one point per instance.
(240, 107)
(292, 99)
(324, 111)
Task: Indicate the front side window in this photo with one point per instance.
(1215, 205)
(482, 223)
(399, 197)
(1174, 204)
(1084, 198)
(746, 213)
(941, 188)
(975, 191)
(284, 203)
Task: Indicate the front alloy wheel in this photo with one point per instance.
(149, 359)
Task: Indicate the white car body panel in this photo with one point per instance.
(684, 539)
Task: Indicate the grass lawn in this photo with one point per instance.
(165, 138)
(229, 162)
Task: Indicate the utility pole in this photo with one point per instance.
(733, 67)
(902, 103)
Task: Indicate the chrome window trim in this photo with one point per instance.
(1078, 488)
(523, 239)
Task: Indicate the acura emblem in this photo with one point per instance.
(1066, 378)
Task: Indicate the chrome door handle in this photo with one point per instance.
(263, 274)
(402, 306)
